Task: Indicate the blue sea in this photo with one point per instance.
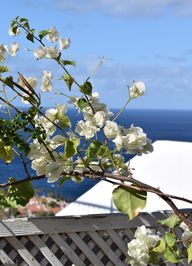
(158, 124)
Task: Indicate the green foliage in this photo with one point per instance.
(93, 150)
(42, 34)
(189, 253)
(64, 120)
(171, 255)
(3, 69)
(129, 200)
(30, 36)
(71, 147)
(67, 62)
(171, 221)
(82, 103)
(68, 80)
(160, 246)
(20, 194)
(86, 88)
(170, 239)
(6, 153)
(8, 81)
(16, 195)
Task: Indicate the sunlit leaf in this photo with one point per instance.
(68, 62)
(71, 147)
(6, 153)
(42, 34)
(64, 120)
(170, 239)
(171, 221)
(129, 200)
(171, 256)
(93, 150)
(23, 19)
(3, 69)
(189, 253)
(160, 246)
(68, 80)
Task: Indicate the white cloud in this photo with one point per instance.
(130, 8)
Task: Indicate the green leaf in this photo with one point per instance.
(189, 252)
(171, 221)
(68, 80)
(26, 24)
(19, 194)
(8, 81)
(104, 152)
(3, 69)
(13, 22)
(170, 255)
(14, 29)
(30, 37)
(93, 150)
(170, 239)
(86, 88)
(64, 120)
(71, 147)
(68, 62)
(61, 181)
(6, 153)
(129, 200)
(42, 34)
(23, 19)
(154, 257)
(160, 246)
(82, 103)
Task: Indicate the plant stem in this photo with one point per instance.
(122, 109)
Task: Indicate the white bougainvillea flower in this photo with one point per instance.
(79, 165)
(100, 118)
(34, 151)
(138, 252)
(138, 248)
(53, 35)
(97, 106)
(57, 141)
(118, 142)
(53, 171)
(134, 140)
(40, 52)
(62, 108)
(137, 89)
(187, 233)
(73, 100)
(111, 129)
(39, 165)
(13, 49)
(86, 129)
(64, 43)
(47, 121)
(46, 85)
(2, 52)
(51, 52)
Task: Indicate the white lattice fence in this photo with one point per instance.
(89, 240)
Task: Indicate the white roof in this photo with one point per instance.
(168, 167)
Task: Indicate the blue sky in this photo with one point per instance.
(140, 40)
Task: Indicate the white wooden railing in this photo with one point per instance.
(89, 240)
